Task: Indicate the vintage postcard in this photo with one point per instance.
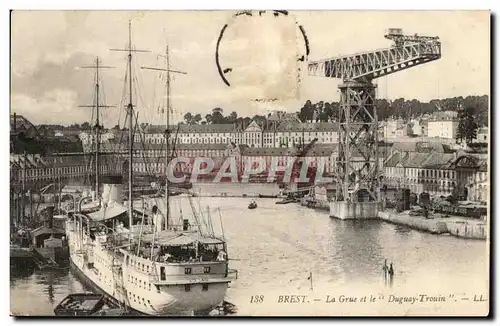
(250, 163)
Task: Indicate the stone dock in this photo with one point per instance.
(457, 226)
(322, 205)
(454, 225)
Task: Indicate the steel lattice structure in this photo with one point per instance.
(357, 162)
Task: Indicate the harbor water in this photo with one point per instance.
(277, 248)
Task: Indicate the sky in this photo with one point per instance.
(49, 47)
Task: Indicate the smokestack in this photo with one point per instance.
(50, 216)
(112, 189)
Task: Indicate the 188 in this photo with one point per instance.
(256, 299)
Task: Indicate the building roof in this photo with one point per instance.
(194, 128)
(275, 116)
(307, 127)
(439, 120)
(393, 160)
(471, 161)
(316, 150)
(439, 161)
(482, 130)
(287, 122)
(431, 160)
(18, 122)
(419, 146)
(46, 230)
(178, 147)
(483, 166)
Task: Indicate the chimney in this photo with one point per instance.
(50, 216)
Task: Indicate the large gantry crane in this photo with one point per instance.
(357, 163)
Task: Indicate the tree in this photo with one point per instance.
(306, 112)
(116, 127)
(217, 116)
(217, 110)
(143, 125)
(246, 121)
(327, 113)
(197, 118)
(467, 127)
(208, 119)
(85, 125)
(232, 117)
(188, 117)
(259, 119)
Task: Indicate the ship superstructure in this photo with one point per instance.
(132, 252)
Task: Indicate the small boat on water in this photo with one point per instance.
(268, 196)
(80, 304)
(175, 193)
(285, 201)
(20, 250)
(253, 205)
(113, 312)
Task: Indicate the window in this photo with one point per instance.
(187, 287)
(204, 287)
(187, 270)
(206, 269)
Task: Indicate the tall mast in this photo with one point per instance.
(167, 131)
(130, 114)
(23, 187)
(130, 126)
(167, 219)
(97, 127)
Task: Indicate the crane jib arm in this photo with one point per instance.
(378, 63)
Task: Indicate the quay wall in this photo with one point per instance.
(462, 229)
(322, 205)
(456, 226)
(208, 189)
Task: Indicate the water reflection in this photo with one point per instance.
(20, 272)
(402, 230)
(276, 247)
(357, 249)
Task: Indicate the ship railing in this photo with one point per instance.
(199, 279)
(232, 274)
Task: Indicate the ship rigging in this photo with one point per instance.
(153, 268)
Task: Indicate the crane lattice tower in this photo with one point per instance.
(357, 167)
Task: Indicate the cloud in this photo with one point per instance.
(60, 103)
(47, 46)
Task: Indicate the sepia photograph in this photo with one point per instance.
(250, 163)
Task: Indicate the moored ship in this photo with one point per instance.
(151, 267)
(133, 253)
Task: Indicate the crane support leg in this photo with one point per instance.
(357, 163)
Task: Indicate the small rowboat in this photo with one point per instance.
(80, 304)
(252, 205)
(286, 201)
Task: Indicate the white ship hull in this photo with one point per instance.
(141, 291)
